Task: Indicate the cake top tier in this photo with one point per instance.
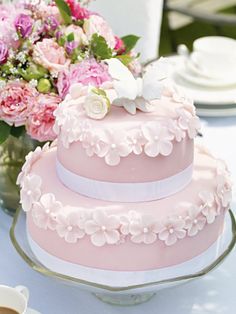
(121, 117)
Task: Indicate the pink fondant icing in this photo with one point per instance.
(127, 255)
(133, 168)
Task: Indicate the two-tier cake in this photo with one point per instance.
(118, 199)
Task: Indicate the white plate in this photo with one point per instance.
(190, 73)
(211, 102)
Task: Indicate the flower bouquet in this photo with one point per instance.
(45, 48)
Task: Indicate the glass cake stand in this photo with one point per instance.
(129, 295)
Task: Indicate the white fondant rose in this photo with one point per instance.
(96, 104)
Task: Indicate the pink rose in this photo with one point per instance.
(50, 55)
(41, 119)
(88, 72)
(97, 25)
(78, 12)
(120, 46)
(16, 99)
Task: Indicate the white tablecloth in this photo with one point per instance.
(213, 294)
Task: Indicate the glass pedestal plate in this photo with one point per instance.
(128, 295)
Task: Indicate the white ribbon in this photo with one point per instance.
(124, 192)
(127, 278)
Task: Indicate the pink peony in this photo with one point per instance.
(88, 72)
(78, 12)
(50, 55)
(16, 99)
(97, 25)
(41, 119)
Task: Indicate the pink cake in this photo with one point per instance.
(127, 195)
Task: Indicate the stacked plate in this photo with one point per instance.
(208, 75)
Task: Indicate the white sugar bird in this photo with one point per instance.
(137, 93)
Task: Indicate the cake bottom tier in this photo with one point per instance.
(123, 237)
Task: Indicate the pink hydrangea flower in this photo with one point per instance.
(115, 146)
(16, 100)
(158, 139)
(30, 192)
(88, 72)
(144, 230)
(41, 119)
(50, 55)
(91, 143)
(174, 128)
(95, 24)
(172, 230)
(8, 13)
(78, 12)
(103, 228)
(70, 227)
(45, 212)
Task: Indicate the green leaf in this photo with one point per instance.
(99, 91)
(130, 41)
(4, 131)
(99, 47)
(17, 131)
(64, 11)
(70, 37)
(125, 59)
(62, 41)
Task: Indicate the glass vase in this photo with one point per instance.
(12, 157)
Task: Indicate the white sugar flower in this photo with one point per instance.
(136, 140)
(71, 227)
(174, 128)
(194, 221)
(30, 159)
(208, 207)
(96, 104)
(188, 122)
(172, 230)
(103, 228)
(144, 230)
(114, 146)
(45, 211)
(224, 189)
(30, 192)
(158, 139)
(127, 220)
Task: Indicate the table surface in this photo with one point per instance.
(213, 294)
